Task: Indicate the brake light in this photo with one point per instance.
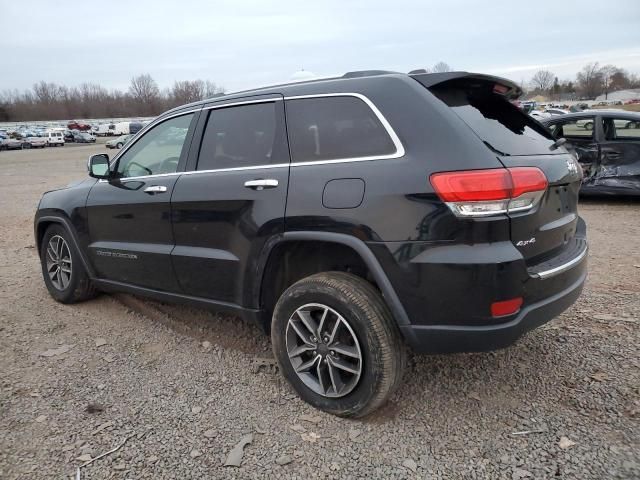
(506, 307)
(500, 89)
(471, 193)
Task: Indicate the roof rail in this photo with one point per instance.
(366, 73)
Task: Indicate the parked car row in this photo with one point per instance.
(19, 144)
(15, 141)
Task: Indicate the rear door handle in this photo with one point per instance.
(155, 189)
(261, 184)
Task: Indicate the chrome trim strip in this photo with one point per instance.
(237, 169)
(387, 126)
(562, 268)
(248, 102)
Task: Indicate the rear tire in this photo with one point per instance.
(119, 146)
(58, 254)
(365, 349)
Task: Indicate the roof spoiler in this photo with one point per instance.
(509, 89)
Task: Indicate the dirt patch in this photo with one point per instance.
(185, 385)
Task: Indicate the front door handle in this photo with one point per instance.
(155, 189)
(261, 184)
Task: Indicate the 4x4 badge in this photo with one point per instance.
(524, 243)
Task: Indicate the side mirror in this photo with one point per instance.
(98, 166)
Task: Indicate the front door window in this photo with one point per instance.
(158, 151)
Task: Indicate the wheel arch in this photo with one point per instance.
(44, 222)
(268, 291)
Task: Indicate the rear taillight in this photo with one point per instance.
(476, 193)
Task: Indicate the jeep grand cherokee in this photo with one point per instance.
(348, 217)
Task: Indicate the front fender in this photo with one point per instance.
(41, 223)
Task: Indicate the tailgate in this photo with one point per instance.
(541, 232)
(517, 140)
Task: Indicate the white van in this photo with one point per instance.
(104, 130)
(121, 128)
(54, 139)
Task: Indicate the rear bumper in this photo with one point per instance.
(464, 338)
(447, 291)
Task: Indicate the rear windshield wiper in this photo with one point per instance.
(495, 150)
(557, 144)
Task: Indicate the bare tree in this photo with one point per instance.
(590, 80)
(187, 91)
(441, 67)
(145, 92)
(619, 80)
(543, 80)
(46, 92)
(212, 90)
(607, 72)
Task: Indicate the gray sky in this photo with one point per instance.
(243, 44)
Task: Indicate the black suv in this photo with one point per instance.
(348, 217)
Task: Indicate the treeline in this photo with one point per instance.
(590, 82)
(49, 101)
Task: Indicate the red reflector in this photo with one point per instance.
(506, 307)
(482, 185)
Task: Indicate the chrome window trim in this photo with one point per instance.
(246, 102)
(400, 151)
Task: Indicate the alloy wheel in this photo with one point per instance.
(324, 350)
(59, 262)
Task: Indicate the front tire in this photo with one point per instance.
(337, 344)
(62, 268)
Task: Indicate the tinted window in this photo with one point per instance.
(241, 136)
(158, 150)
(576, 128)
(501, 125)
(329, 128)
(621, 129)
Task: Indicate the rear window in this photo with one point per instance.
(331, 128)
(501, 125)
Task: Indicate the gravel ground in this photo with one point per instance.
(183, 386)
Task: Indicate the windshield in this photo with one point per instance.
(501, 125)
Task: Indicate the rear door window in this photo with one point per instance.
(243, 136)
(335, 127)
(502, 126)
(621, 129)
(576, 129)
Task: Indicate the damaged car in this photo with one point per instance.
(607, 146)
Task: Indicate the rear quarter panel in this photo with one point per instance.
(399, 203)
